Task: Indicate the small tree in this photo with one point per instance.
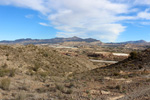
(133, 55)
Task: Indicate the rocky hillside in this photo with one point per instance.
(42, 73)
(37, 73)
(127, 80)
(137, 62)
(33, 58)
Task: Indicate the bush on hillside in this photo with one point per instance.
(133, 55)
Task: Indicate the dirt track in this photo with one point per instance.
(103, 61)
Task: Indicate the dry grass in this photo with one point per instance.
(5, 83)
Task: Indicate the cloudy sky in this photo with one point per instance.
(106, 20)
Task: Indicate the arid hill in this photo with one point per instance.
(41, 58)
(127, 80)
(136, 61)
(36, 72)
(43, 73)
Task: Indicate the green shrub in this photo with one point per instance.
(133, 55)
(7, 72)
(69, 91)
(5, 83)
(52, 89)
(119, 87)
(87, 91)
(116, 73)
(126, 76)
(35, 68)
(12, 72)
(4, 66)
(41, 90)
(3, 72)
(43, 74)
(70, 85)
(60, 88)
(45, 54)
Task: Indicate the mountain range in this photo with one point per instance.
(134, 42)
(61, 40)
(49, 41)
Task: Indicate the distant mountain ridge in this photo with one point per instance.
(58, 40)
(135, 42)
(132, 42)
(49, 41)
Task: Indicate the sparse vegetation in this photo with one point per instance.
(60, 88)
(69, 91)
(119, 87)
(7, 72)
(4, 66)
(42, 72)
(21, 96)
(5, 83)
(12, 72)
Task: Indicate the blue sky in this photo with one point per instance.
(106, 20)
(16, 23)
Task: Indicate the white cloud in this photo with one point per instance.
(85, 18)
(145, 14)
(44, 24)
(90, 18)
(103, 32)
(38, 5)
